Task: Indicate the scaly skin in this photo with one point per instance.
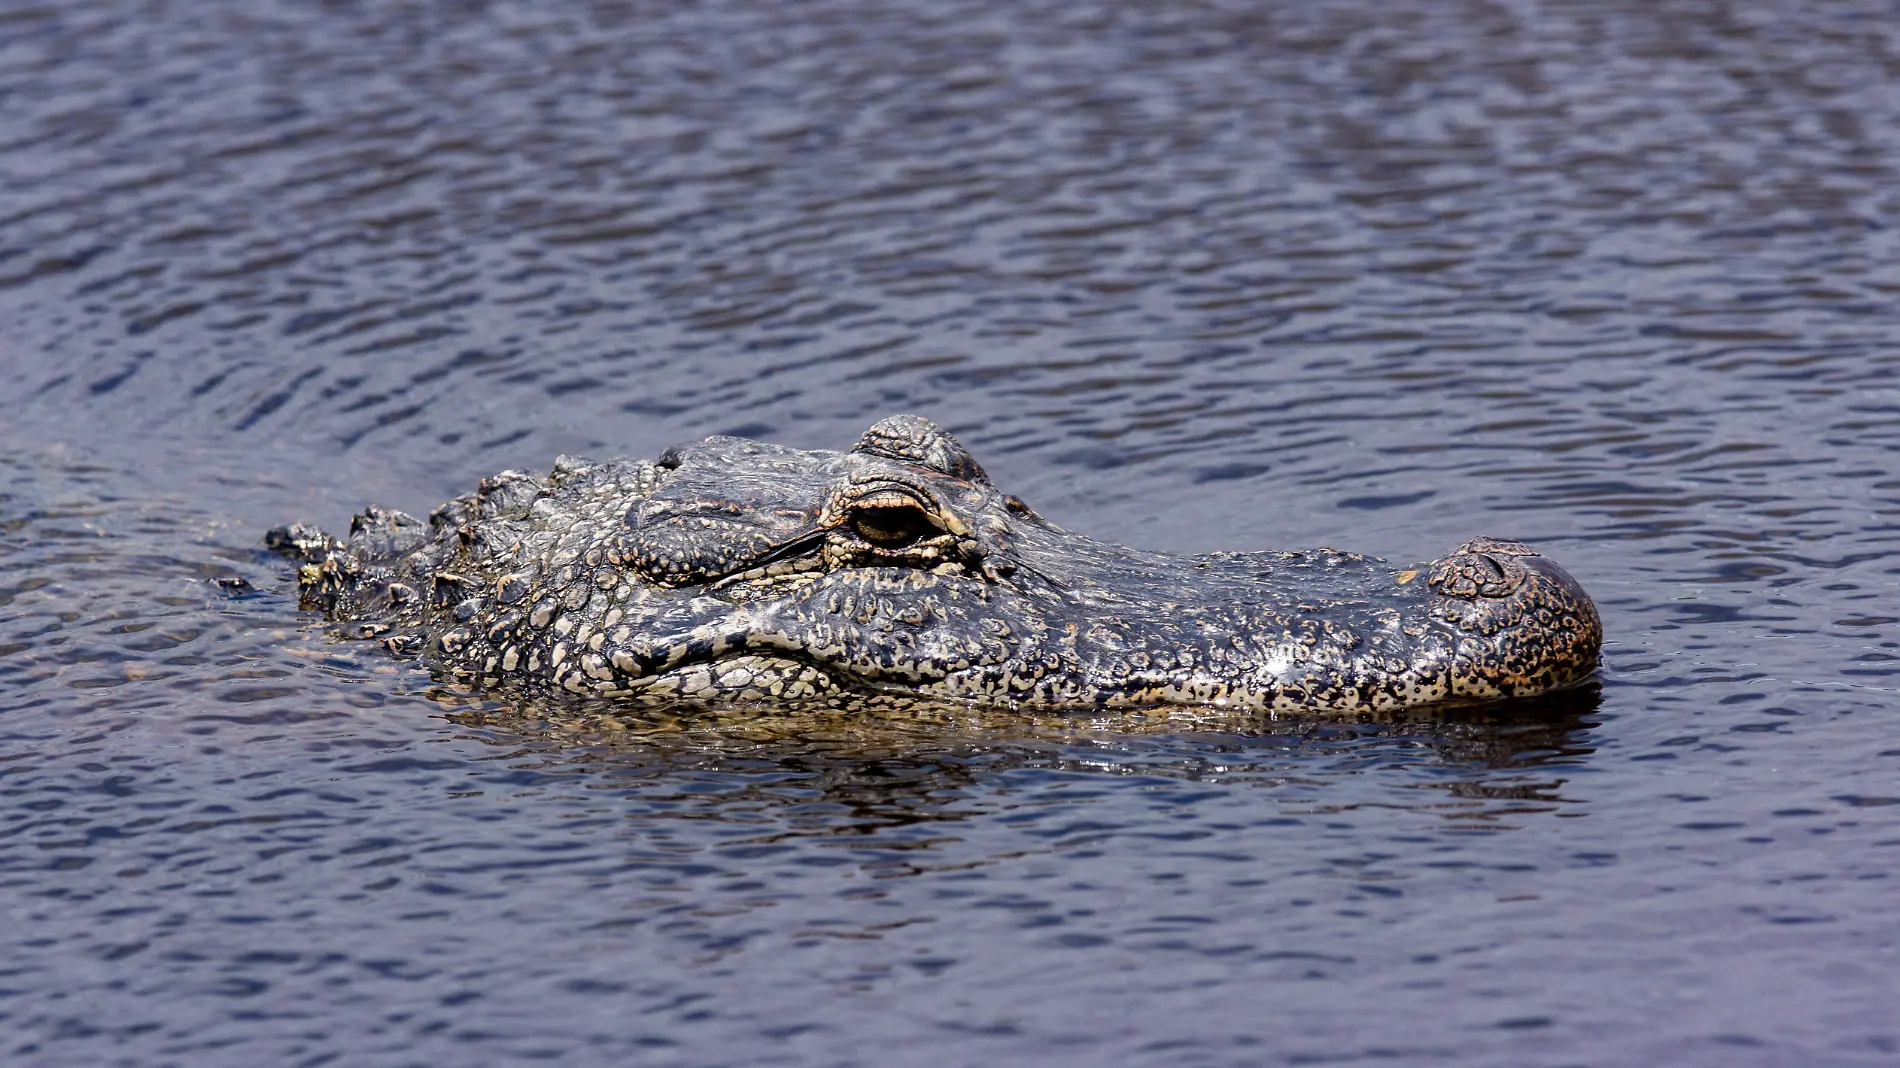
(737, 569)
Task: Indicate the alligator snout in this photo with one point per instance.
(1523, 624)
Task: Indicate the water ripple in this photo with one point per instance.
(1616, 278)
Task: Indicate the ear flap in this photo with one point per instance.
(912, 439)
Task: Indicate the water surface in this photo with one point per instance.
(1619, 279)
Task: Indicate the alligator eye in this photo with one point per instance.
(892, 526)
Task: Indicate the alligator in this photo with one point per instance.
(731, 569)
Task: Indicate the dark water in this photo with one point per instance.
(1620, 279)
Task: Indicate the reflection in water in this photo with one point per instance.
(894, 759)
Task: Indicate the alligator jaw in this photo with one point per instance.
(738, 569)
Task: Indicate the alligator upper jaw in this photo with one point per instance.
(1311, 631)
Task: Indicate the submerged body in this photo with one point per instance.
(734, 568)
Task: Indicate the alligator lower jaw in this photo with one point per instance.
(753, 685)
(747, 678)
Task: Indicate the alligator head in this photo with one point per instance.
(734, 568)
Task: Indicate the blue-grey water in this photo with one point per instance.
(1618, 278)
